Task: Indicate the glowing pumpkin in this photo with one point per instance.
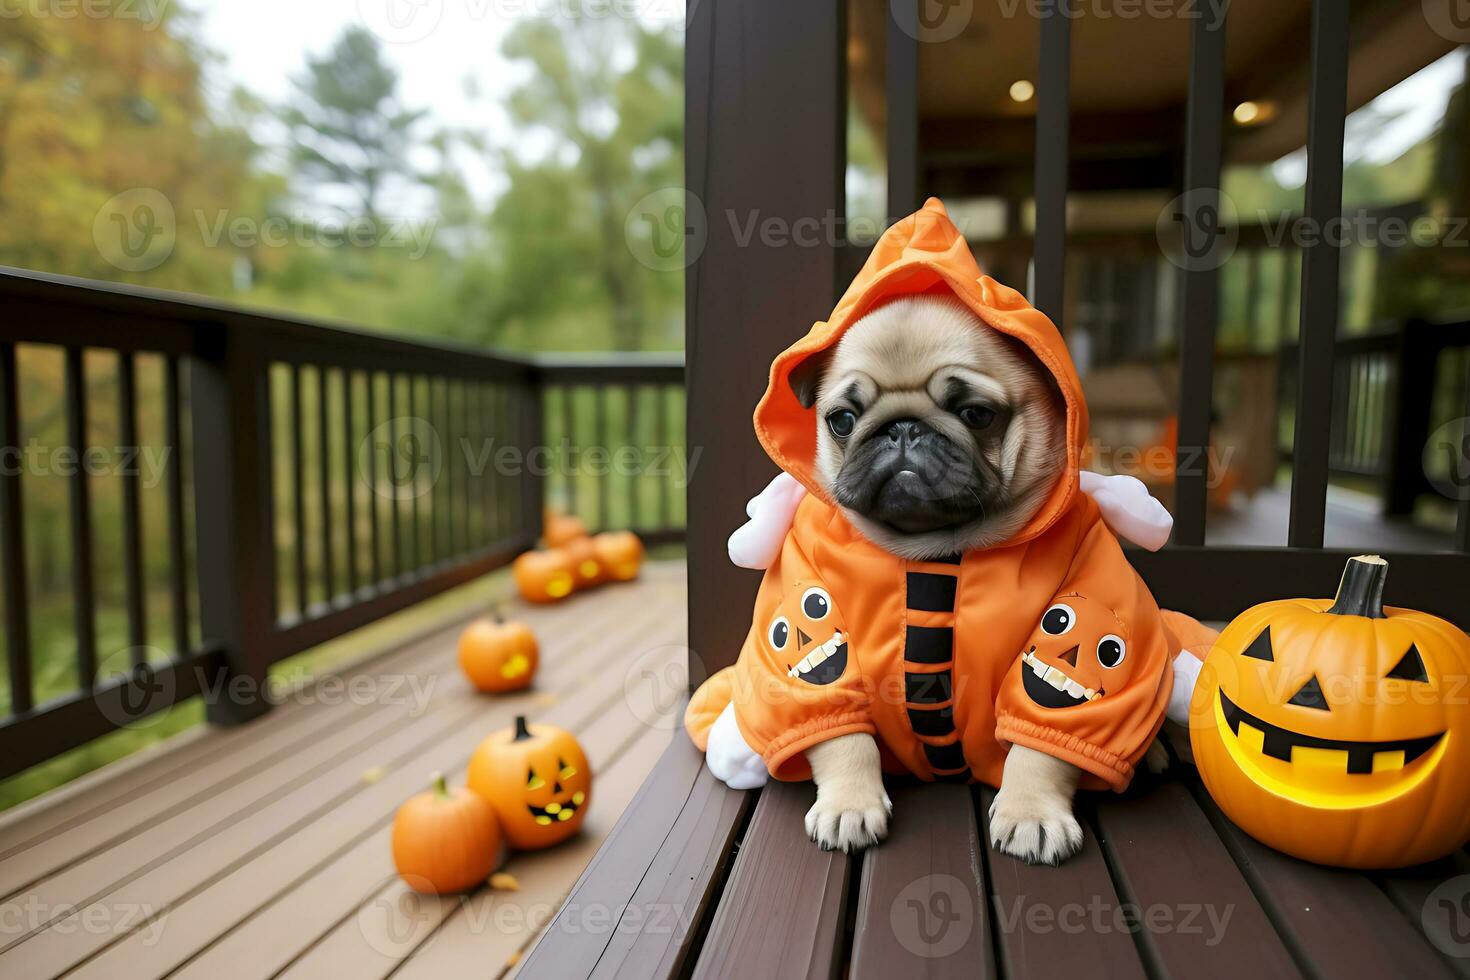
(587, 569)
(558, 529)
(498, 656)
(544, 576)
(621, 554)
(445, 840)
(538, 781)
(1338, 730)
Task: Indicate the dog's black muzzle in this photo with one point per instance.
(912, 478)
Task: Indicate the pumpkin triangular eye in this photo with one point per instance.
(534, 781)
(1410, 667)
(1310, 696)
(1260, 647)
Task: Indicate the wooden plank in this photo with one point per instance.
(744, 59)
(1197, 916)
(1321, 259)
(281, 909)
(783, 911)
(1058, 922)
(921, 898)
(61, 844)
(1199, 307)
(208, 856)
(1338, 922)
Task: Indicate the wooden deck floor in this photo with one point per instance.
(263, 850)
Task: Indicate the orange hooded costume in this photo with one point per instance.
(1050, 640)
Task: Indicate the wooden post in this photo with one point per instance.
(755, 156)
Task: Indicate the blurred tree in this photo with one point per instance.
(348, 127)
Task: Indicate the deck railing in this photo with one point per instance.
(311, 479)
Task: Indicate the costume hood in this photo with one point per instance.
(923, 253)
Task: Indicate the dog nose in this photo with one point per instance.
(905, 432)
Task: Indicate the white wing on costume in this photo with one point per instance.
(1127, 508)
(733, 762)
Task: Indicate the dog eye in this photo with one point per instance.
(841, 422)
(816, 603)
(977, 417)
(1058, 620)
(780, 632)
(1111, 650)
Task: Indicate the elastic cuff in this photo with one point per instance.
(783, 754)
(1114, 771)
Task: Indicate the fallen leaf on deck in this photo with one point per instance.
(546, 697)
(504, 881)
(370, 776)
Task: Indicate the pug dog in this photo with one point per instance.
(936, 435)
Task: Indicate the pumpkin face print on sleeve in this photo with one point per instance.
(1078, 653)
(808, 635)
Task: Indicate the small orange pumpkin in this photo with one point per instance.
(1338, 730)
(621, 554)
(537, 779)
(544, 576)
(587, 569)
(498, 656)
(558, 529)
(445, 840)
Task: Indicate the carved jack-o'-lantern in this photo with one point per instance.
(1078, 652)
(498, 656)
(559, 529)
(808, 634)
(1339, 730)
(620, 553)
(587, 568)
(538, 781)
(544, 576)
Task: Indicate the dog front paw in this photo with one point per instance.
(1038, 829)
(850, 824)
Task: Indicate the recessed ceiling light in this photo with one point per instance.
(1022, 91)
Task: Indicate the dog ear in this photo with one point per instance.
(807, 375)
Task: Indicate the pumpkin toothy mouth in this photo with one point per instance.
(824, 664)
(1049, 687)
(1253, 741)
(557, 812)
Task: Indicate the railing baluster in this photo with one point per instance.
(569, 424)
(636, 469)
(370, 425)
(1327, 108)
(1462, 518)
(84, 602)
(1199, 308)
(530, 488)
(489, 492)
(434, 406)
(298, 488)
(661, 406)
(1053, 118)
(416, 539)
(324, 482)
(178, 569)
(12, 543)
(604, 481)
(462, 448)
(390, 462)
(132, 537)
(349, 480)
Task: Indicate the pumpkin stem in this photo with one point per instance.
(1360, 593)
(521, 730)
(441, 788)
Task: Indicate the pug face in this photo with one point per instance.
(936, 434)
